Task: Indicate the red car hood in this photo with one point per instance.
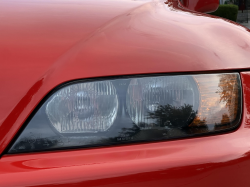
(44, 43)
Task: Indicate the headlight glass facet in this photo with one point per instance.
(137, 109)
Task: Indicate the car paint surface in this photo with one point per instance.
(220, 160)
(46, 43)
(201, 6)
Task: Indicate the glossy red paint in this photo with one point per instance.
(202, 5)
(221, 160)
(45, 43)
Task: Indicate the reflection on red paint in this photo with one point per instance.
(11, 119)
(201, 5)
(246, 98)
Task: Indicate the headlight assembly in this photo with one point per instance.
(137, 109)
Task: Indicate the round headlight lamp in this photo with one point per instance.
(83, 108)
(146, 97)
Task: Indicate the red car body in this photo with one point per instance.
(45, 43)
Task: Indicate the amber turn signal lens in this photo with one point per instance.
(220, 102)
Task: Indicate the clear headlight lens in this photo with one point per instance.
(97, 113)
(146, 96)
(84, 107)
